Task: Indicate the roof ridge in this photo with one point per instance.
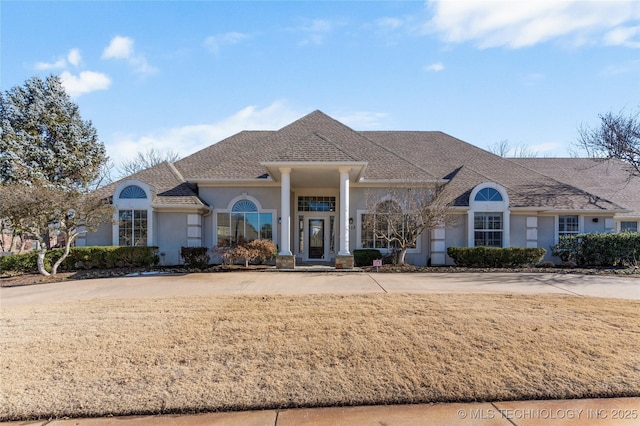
(175, 171)
(335, 145)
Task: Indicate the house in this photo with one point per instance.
(304, 187)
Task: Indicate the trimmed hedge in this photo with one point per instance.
(365, 257)
(607, 250)
(102, 257)
(495, 257)
(195, 257)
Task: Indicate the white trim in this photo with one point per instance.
(244, 196)
(556, 219)
(133, 204)
(489, 207)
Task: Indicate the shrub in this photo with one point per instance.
(365, 257)
(608, 250)
(195, 257)
(495, 257)
(107, 257)
(261, 251)
(256, 251)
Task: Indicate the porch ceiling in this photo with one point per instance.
(316, 175)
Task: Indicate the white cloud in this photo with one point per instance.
(214, 43)
(438, 66)
(122, 48)
(74, 57)
(361, 120)
(85, 82)
(316, 31)
(622, 68)
(188, 139)
(624, 36)
(518, 24)
(60, 63)
(119, 48)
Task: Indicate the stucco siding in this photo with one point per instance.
(101, 237)
(171, 236)
(456, 235)
(547, 236)
(518, 231)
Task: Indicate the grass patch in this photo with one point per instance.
(183, 355)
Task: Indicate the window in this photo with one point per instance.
(628, 226)
(488, 194)
(316, 204)
(488, 229)
(568, 225)
(378, 228)
(133, 228)
(133, 192)
(244, 223)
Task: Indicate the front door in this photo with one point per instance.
(316, 238)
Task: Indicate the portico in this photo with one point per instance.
(320, 195)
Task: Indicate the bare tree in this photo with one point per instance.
(617, 137)
(42, 211)
(501, 148)
(145, 160)
(504, 149)
(398, 216)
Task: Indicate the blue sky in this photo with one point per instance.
(182, 75)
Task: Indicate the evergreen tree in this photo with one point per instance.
(44, 140)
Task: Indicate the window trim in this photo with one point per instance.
(133, 226)
(489, 207)
(637, 223)
(557, 225)
(133, 204)
(501, 230)
(229, 210)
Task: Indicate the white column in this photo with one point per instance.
(344, 211)
(285, 208)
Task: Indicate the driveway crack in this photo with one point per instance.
(379, 285)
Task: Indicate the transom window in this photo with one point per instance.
(488, 194)
(628, 226)
(133, 191)
(133, 228)
(316, 204)
(488, 229)
(244, 223)
(568, 225)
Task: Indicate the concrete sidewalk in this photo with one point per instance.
(239, 283)
(604, 412)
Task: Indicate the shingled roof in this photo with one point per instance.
(313, 138)
(606, 178)
(170, 186)
(389, 155)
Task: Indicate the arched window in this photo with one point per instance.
(245, 222)
(489, 216)
(133, 191)
(244, 206)
(488, 194)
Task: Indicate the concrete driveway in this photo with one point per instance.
(238, 283)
